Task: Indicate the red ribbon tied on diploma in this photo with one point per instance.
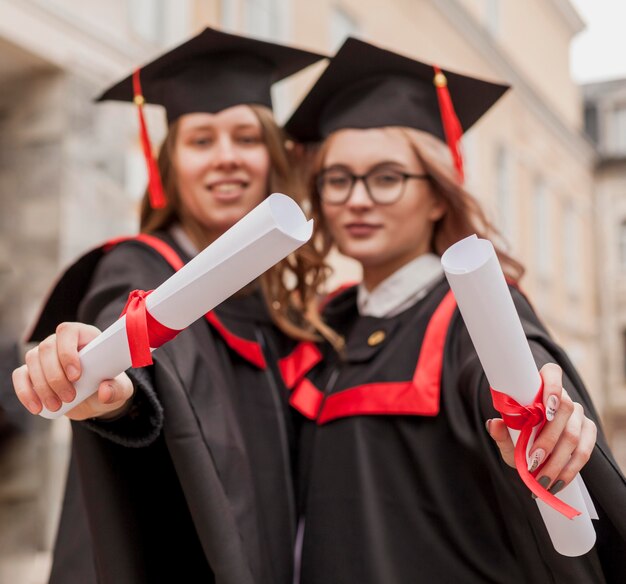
(143, 330)
(525, 418)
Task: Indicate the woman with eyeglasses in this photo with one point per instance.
(405, 466)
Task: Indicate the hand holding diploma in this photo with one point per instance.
(270, 232)
(564, 444)
(54, 365)
(485, 302)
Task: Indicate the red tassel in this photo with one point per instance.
(451, 125)
(155, 186)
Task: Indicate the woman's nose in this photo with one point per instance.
(359, 197)
(226, 152)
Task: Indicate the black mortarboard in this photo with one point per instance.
(212, 71)
(208, 73)
(365, 86)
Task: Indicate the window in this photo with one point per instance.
(266, 19)
(229, 14)
(591, 121)
(492, 16)
(617, 130)
(147, 19)
(505, 196)
(269, 20)
(161, 22)
(571, 250)
(342, 25)
(541, 219)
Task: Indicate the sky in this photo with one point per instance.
(599, 52)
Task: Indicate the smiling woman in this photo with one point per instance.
(184, 468)
(219, 165)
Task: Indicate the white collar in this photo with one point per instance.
(402, 289)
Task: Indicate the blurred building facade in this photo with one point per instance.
(71, 174)
(605, 120)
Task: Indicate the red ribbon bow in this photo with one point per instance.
(525, 418)
(143, 330)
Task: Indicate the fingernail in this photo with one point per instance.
(68, 396)
(556, 487)
(552, 407)
(544, 482)
(111, 395)
(53, 404)
(487, 424)
(72, 372)
(33, 407)
(536, 458)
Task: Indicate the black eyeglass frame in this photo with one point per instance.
(354, 178)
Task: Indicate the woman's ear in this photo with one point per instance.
(438, 208)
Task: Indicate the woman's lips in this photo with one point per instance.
(362, 229)
(227, 190)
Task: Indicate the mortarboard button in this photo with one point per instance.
(376, 338)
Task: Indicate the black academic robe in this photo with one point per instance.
(194, 483)
(416, 491)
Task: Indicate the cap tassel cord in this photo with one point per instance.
(155, 186)
(451, 125)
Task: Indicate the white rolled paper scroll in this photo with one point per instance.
(262, 238)
(486, 305)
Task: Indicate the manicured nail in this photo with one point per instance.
(536, 458)
(552, 407)
(72, 372)
(487, 424)
(34, 407)
(556, 487)
(544, 482)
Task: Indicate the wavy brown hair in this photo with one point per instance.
(463, 216)
(288, 287)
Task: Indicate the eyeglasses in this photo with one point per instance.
(383, 186)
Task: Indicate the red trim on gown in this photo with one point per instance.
(418, 396)
(250, 350)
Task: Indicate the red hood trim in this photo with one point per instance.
(250, 350)
(419, 397)
(299, 362)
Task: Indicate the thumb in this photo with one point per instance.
(498, 431)
(115, 392)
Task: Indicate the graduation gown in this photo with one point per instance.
(194, 483)
(400, 481)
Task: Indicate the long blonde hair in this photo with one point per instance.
(288, 287)
(463, 215)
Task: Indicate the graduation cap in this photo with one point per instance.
(208, 73)
(365, 86)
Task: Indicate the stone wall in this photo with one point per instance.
(62, 174)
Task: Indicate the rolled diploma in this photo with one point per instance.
(262, 238)
(485, 302)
